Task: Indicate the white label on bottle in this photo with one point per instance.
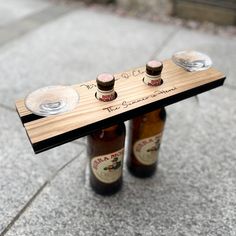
(152, 80)
(105, 96)
(146, 150)
(108, 168)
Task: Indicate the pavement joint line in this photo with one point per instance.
(84, 172)
(230, 86)
(31, 200)
(164, 43)
(8, 227)
(65, 165)
(79, 143)
(31, 22)
(7, 108)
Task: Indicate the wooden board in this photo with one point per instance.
(134, 98)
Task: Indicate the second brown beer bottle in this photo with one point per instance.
(106, 146)
(146, 131)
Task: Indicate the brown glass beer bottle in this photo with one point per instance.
(106, 146)
(146, 131)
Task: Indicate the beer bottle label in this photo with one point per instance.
(152, 80)
(108, 168)
(146, 150)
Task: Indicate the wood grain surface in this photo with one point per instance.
(134, 98)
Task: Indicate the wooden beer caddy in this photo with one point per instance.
(133, 98)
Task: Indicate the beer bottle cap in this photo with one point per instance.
(154, 67)
(105, 81)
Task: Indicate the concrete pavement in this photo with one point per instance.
(194, 191)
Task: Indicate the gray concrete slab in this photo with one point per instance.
(193, 192)
(76, 48)
(16, 29)
(222, 50)
(13, 10)
(22, 173)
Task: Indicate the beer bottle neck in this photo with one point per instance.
(159, 114)
(106, 96)
(152, 80)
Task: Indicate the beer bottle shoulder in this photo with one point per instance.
(111, 132)
(148, 124)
